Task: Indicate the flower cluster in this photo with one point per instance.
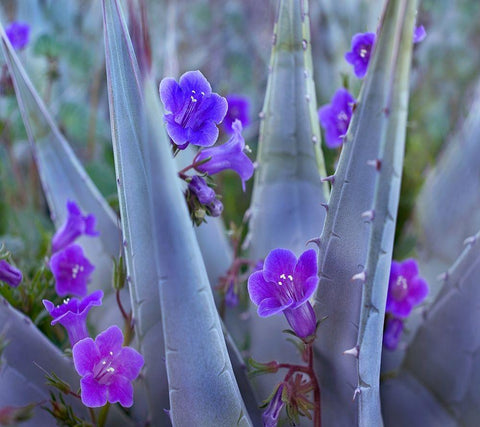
(405, 290)
(284, 285)
(193, 111)
(68, 263)
(107, 369)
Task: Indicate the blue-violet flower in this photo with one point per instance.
(419, 34)
(199, 187)
(284, 285)
(335, 117)
(76, 225)
(359, 56)
(405, 288)
(272, 412)
(71, 271)
(19, 34)
(393, 331)
(193, 110)
(238, 108)
(72, 314)
(227, 156)
(9, 274)
(107, 368)
(215, 208)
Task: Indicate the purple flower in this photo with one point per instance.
(71, 271)
(215, 208)
(392, 333)
(18, 33)
(193, 110)
(405, 288)
(74, 227)
(72, 315)
(107, 368)
(238, 108)
(227, 156)
(285, 284)
(9, 274)
(271, 414)
(199, 187)
(231, 297)
(335, 117)
(359, 56)
(419, 34)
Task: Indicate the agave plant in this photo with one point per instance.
(164, 340)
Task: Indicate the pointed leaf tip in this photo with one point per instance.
(354, 351)
(362, 276)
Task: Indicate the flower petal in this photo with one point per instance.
(178, 133)
(120, 390)
(213, 108)
(93, 393)
(409, 269)
(171, 95)
(417, 290)
(110, 340)
(85, 356)
(302, 320)
(401, 308)
(270, 306)
(308, 289)
(306, 267)
(205, 135)
(279, 261)
(128, 363)
(259, 289)
(194, 80)
(392, 333)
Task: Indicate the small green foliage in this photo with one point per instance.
(63, 412)
(258, 368)
(14, 415)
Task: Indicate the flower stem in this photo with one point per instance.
(102, 417)
(317, 420)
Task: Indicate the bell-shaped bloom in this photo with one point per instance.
(215, 208)
(284, 285)
(193, 110)
(72, 314)
(227, 156)
(391, 334)
(419, 34)
(9, 274)
(238, 108)
(19, 34)
(405, 288)
(335, 117)
(359, 56)
(71, 270)
(199, 187)
(75, 225)
(272, 412)
(107, 369)
(231, 296)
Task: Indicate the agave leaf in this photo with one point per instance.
(377, 131)
(443, 359)
(163, 256)
(62, 175)
(286, 206)
(385, 206)
(129, 133)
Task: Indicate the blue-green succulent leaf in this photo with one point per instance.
(360, 198)
(163, 258)
(286, 208)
